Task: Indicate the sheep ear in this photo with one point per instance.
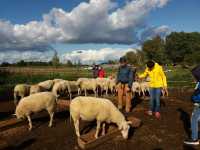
(130, 122)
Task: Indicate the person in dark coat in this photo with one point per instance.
(124, 85)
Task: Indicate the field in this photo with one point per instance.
(165, 134)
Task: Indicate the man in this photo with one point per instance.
(157, 83)
(95, 70)
(196, 112)
(124, 84)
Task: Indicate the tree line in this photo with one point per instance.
(176, 48)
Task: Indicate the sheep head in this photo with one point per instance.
(124, 127)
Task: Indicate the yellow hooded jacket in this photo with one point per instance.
(156, 75)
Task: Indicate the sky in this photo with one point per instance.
(88, 30)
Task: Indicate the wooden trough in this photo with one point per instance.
(14, 131)
(88, 141)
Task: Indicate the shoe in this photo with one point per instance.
(191, 142)
(157, 115)
(150, 113)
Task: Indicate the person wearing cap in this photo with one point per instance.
(193, 140)
(124, 84)
(158, 83)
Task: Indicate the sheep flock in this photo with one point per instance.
(44, 96)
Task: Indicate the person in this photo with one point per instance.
(157, 83)
(196, 111)
(95, 70)
(124, 83)
(101, 72)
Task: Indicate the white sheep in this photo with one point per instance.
(36, 89)
(136, 88)
(79, 82)
(61, 87)
(57, 80)
(21, 90)
(144, 86)
(47, 84)
(103, 83)
(36, 103)
(88, 84)
(112, 86)
(73, 86)
(103, 110)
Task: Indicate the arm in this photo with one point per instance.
(164, 80)
(144, 74)
(117, 79)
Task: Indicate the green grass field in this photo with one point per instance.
(177, 77)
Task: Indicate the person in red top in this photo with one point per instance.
(101, 73)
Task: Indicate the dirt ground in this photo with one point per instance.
(168, 133)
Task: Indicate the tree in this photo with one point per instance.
(135, 57)
(154, 49)
(183, 47)
(55, 60)
(69, 63)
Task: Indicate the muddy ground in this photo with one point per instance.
(168, 133)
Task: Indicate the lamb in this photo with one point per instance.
(79, 82)
(61, 87)
(88, 84)
(73, 86)
(47, 84)
(35, 103)
(103, 110)
(21, 90)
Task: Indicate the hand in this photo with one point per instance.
(165, 90)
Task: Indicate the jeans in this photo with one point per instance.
(155, 94)
(194, 122)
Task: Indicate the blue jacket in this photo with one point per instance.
(125, 75)
(196, 94)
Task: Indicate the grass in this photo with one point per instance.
(177, 77)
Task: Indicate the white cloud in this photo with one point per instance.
(92, 55)
(96, 21)
(27, 56)
(155, 31)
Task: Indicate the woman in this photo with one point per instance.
(158, 82)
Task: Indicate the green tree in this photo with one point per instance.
(183, 47)
(55, 60)
(155, 49)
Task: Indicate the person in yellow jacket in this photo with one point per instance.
(158, 82)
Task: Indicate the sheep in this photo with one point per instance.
(112, 86)
(21, 90)
(88, 84)
(57, 80)
(103, 110)
(36, 89)
(79, 82)
(136, 88)
(103, 83)
(144, 86)
(47, 84)
(35, 103)
(61, 87)
(73, 86)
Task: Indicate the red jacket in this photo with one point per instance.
(101, 73)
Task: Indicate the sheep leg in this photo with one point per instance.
(76, 124)
(30, 123)
(103, 129)
(98, 128)
(85, 93)
(51, 119)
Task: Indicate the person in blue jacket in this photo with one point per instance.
(125, 78)
(196, 112)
